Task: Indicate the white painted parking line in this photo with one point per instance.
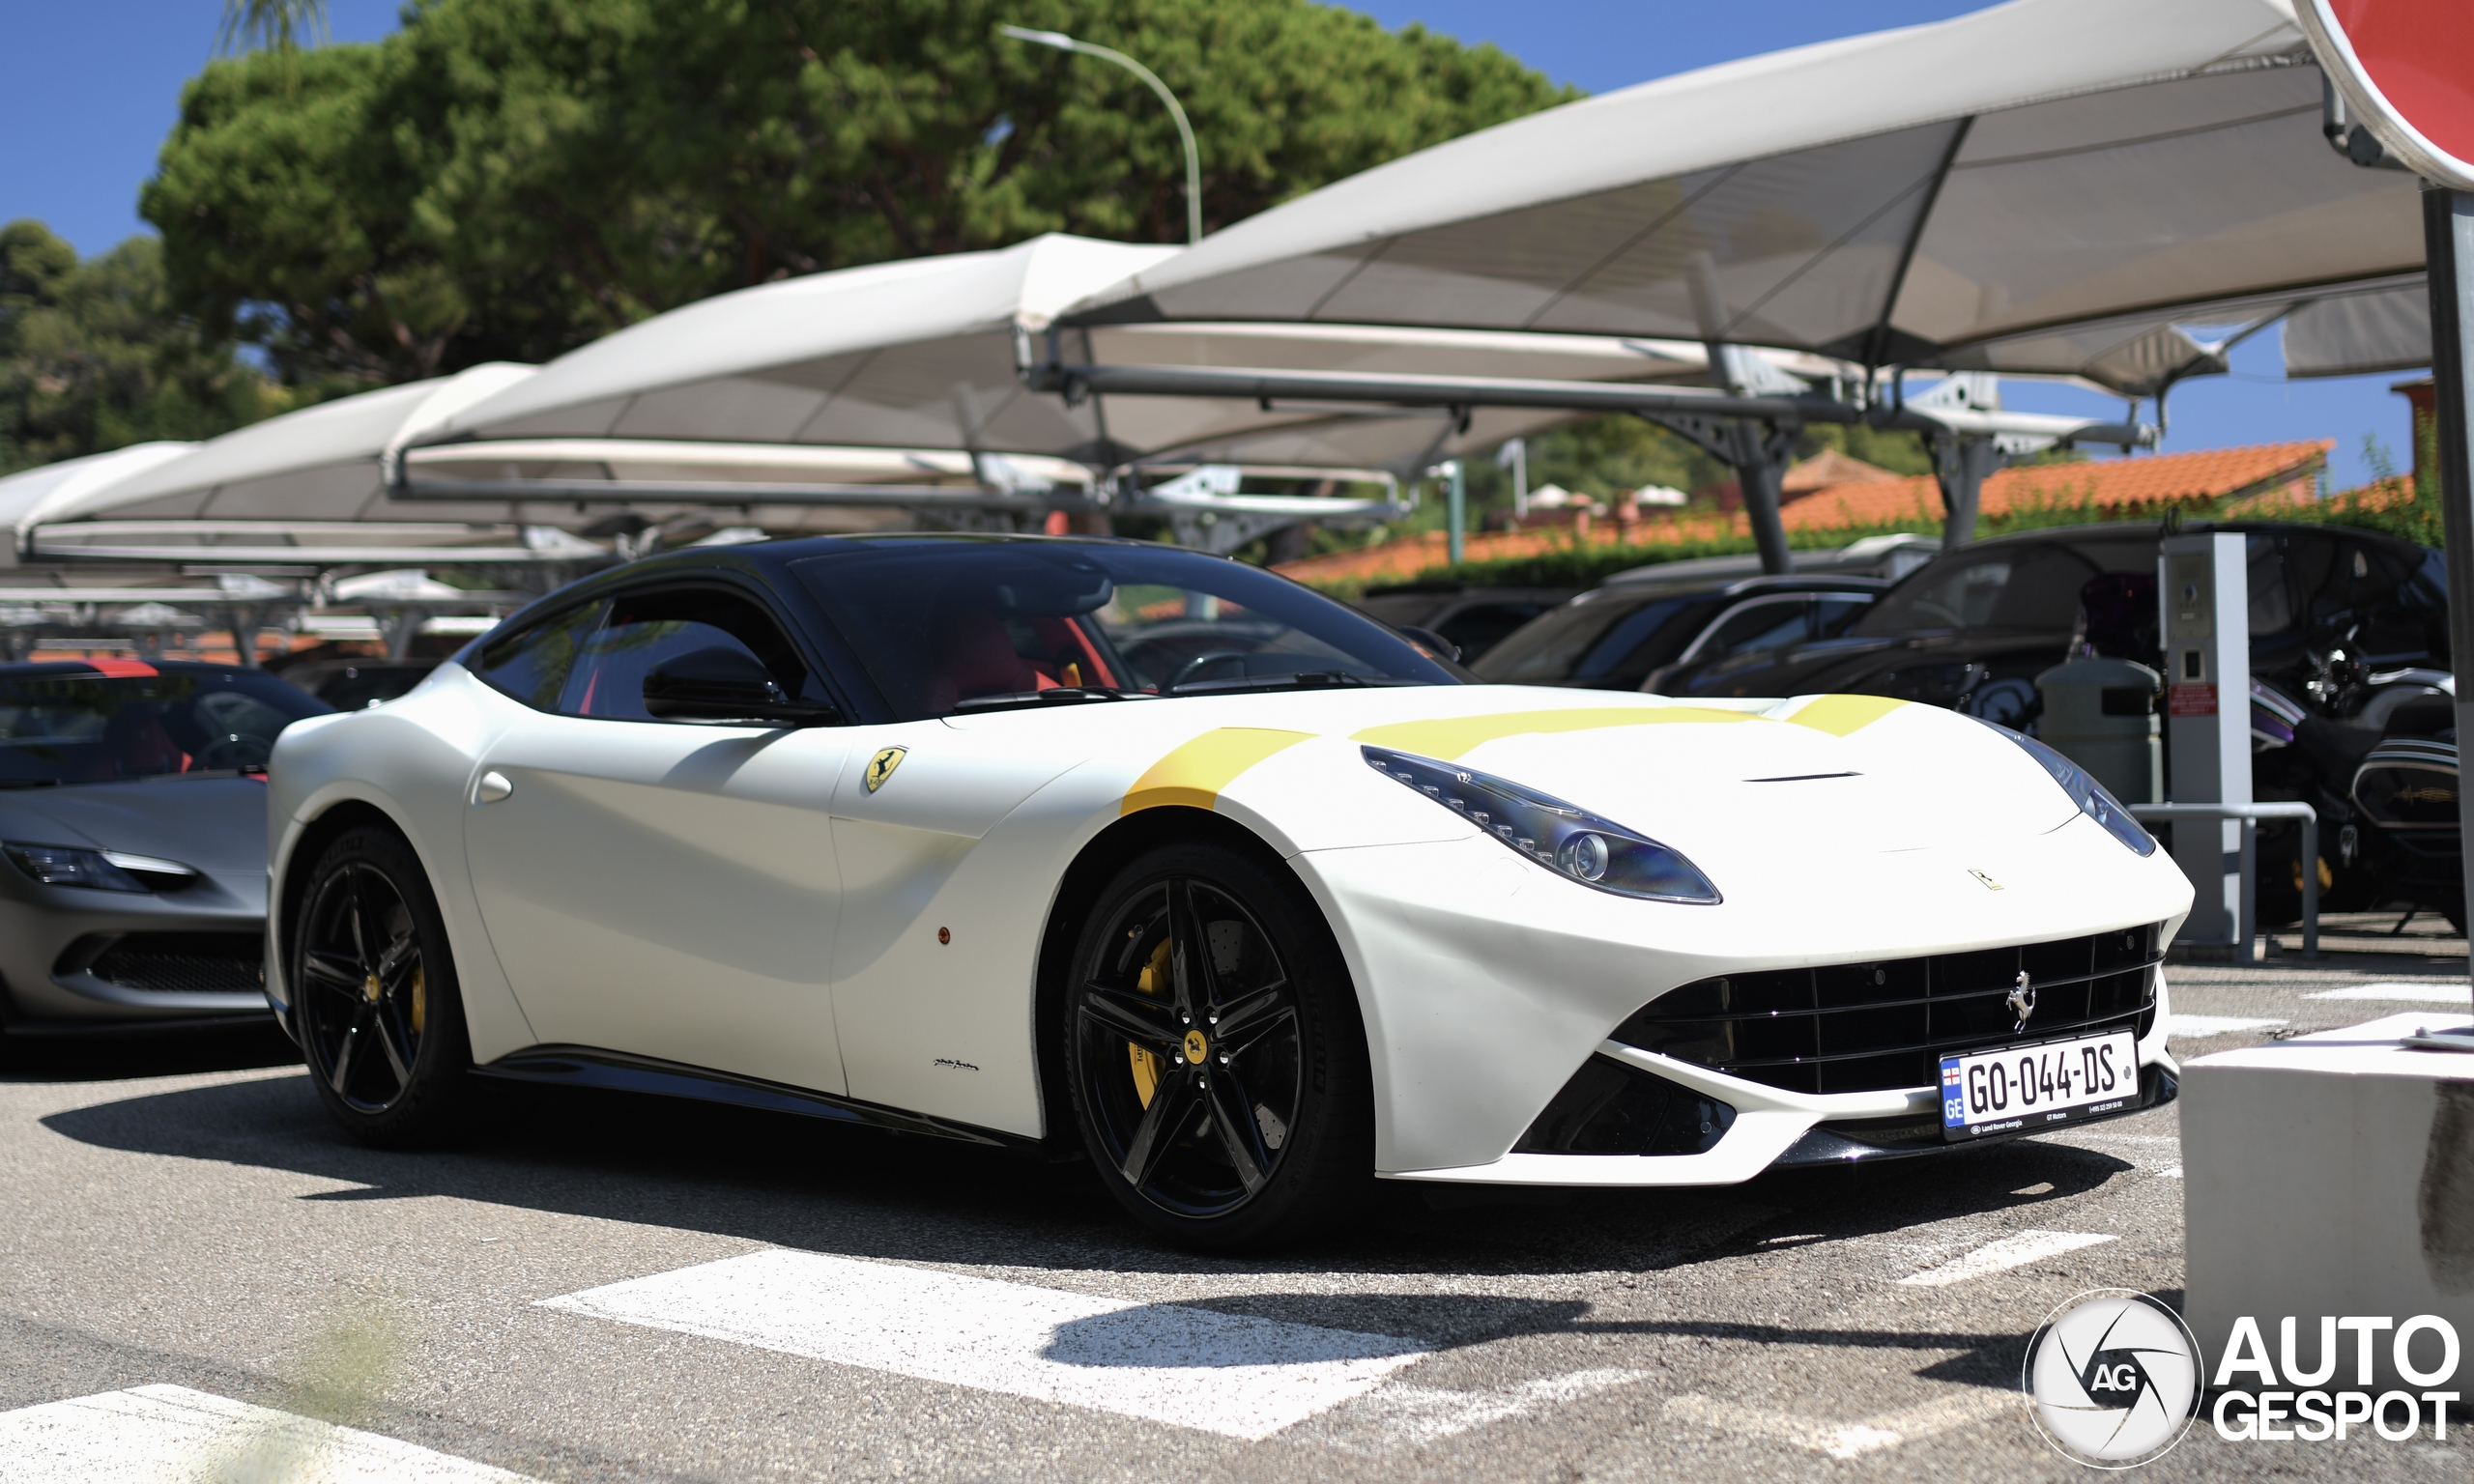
(2403, 994)
(159, 1435)
(2180, 1027)
(1998, 1256)
(1848, 1439)
(1221, 1373)
(1402, 1416)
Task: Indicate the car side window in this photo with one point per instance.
(642, 630)
(532, 665)
(2271, 597)
(1765, 624)
(1633, 647)
(1832, 614)
(1481, 626)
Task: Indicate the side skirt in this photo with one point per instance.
(620, 1071)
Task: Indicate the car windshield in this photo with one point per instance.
(2013, 588)
(73, 726)
(945, 625)
(1597, 637)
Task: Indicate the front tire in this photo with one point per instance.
(379, 1011)
(1215, 1051)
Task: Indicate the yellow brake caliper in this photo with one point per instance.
(1154, 980)
(421, 999)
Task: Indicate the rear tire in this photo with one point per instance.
(1215, 1052)
(379, 1014)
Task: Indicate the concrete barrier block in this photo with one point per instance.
(2330, 1175)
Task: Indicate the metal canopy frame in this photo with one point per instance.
(1752, 430)
(1218, 522)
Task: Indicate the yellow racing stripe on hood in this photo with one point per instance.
(1843, 715)
(1193, 773)
(1448, 738)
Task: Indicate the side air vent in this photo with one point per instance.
(1609, 1108)
(177, 962)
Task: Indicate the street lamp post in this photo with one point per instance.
(1193, 162)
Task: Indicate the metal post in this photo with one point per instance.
(1457, 507)
(1960, 466)
(1757, 475)
(397, 627)
(1150, 80)
(2311, 885)
(2448, 250)
(2202, 598)
(1514, 455)
(2246, 950)
(2250, 815)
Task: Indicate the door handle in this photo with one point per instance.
(491, 788)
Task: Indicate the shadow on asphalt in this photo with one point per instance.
(801, 1184)
(1445, 1321)
(124, 1055)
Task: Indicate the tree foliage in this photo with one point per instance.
(511, 178)
(275, 25)
(93, 358)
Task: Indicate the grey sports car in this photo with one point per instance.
(132, 826)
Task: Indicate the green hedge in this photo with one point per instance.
(1575, 565)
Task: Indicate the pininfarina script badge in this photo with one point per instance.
(880, 767)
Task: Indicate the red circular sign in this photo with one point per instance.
(2421, 55)
(2408, 67)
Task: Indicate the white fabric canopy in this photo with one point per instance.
(30, 496)
(2044, 186)
(921, 355)
(321, 463)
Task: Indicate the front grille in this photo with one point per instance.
(184, 962)
(1873, 1027)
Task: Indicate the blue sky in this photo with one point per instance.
(88, 91)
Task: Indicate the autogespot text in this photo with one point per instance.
(2288, 1401)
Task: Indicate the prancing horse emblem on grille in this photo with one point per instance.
(2021, 1000)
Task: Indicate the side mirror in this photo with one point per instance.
(724, 685)
(1432, 643)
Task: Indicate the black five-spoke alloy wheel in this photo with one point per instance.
(379, 1018)
(1219, 1069)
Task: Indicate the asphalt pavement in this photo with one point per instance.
(612, 1288)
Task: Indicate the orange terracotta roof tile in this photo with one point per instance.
(2259, 476)
(1401, 560)
(2107, 487)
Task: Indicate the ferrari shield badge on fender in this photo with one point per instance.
(880, 767)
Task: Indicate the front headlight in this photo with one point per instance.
(102, 871)
(1568, 841)
(2092, 798)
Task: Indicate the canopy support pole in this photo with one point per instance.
(1760, 466)
(1961, 464)
(2448, 242)
(249, 620)
(1758, 452)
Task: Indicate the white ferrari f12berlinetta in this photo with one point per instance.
(1093, 846)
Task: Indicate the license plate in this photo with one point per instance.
(2029, 1087)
